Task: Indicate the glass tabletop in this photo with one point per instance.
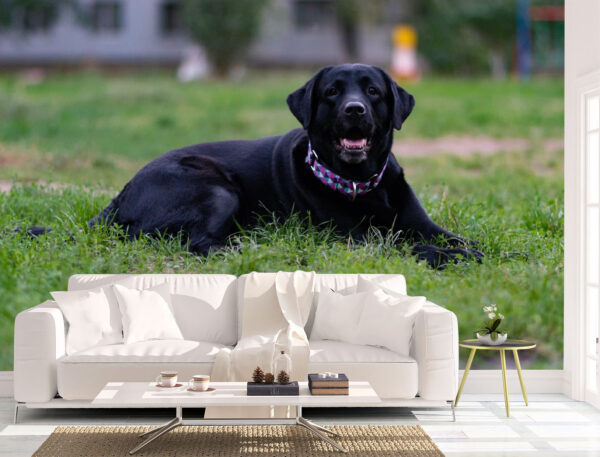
(508, 344)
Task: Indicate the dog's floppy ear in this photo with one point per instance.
(402, 102)
(300, 101)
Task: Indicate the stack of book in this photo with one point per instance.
(328, 385)
(262, 388)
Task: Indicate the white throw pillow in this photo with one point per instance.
(147, 314)
(89, 316)
(337, 316)
(384, 283)
(388, 320)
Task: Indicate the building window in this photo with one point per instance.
(32, 18)
(171, 17)
(106, 16)
(313, 13)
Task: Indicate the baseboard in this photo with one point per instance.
(6, 383)
(536, 381)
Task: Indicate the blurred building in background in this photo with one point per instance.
(454, 36)
(128, 32)
(135, 32)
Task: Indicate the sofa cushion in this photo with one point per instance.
(391, 375)
(204, 305)
(336, 351)
(344, 284)
(388, 320)
(156, 351)
(82, 375)
(88, 314)
(337, 316)
(147, 314)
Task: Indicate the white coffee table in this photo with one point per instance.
(146, 394)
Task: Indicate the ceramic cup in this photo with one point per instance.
(167, 379)
(199, 382)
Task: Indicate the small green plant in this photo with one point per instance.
(494, 320)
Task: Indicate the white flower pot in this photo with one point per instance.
(487, 339)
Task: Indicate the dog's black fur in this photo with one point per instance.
(207, 190)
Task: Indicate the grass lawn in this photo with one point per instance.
(93, 132)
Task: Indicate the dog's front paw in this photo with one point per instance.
(439, 258)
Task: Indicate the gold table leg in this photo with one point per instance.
(464, 378)
(504, 383)
(518, 364)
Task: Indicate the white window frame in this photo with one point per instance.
(575, 242)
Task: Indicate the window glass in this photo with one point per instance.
(593, 236)
(313, 13)
(106, 16)
(591, 317)
(171, 19)
(33, 18)
(593, 113)
(593, 167)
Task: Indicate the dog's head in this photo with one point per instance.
(350, 112)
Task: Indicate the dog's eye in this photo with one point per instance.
(372, 91)
(331, 92)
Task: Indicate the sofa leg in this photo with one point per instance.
(452, 407)
(16, 412)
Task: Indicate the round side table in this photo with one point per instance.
(508, 345)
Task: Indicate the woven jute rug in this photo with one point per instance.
(247, 441)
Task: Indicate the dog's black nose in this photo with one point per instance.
(355, 109)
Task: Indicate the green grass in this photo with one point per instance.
(94, 131)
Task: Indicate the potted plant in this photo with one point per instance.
(490, 334)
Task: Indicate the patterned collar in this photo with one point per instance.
(346, 187)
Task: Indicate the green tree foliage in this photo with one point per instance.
(225, 28)
(462, 36)
(350, 15)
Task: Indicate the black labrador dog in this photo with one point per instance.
(338, 167)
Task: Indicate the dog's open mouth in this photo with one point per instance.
(353, 145)
(353, 148)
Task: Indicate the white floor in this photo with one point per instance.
(552, 425)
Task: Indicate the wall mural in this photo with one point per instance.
(431, 169)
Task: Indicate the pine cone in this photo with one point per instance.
(258, 375)
(283, 377)
(269, 378)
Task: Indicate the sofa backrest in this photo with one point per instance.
(208, 307)
(344, 284)
(204, 304)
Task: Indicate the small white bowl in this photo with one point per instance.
(487, 339)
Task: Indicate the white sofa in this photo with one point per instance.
(206, 309)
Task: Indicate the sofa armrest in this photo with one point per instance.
(39, 342)
(435, 348)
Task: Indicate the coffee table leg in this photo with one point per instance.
(504, 383)
(160, 427)
(160, 431)
(307, 425)
(153, 437)
(518, 364)
(464, 378)
(318, 427)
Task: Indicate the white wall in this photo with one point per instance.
(582, 56)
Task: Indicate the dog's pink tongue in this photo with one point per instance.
(354, 144)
